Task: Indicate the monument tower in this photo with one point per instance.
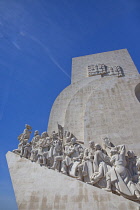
(85, 164)
(102, 100)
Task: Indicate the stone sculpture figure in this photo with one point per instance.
(107, 145)
(35, 146)
(106, 167)
(54, 136)
(41, 148)
(58, 159)
(101, 165)
(85, 169)
(75, 170)
(23, 139)
(44, 147)
(71, 151)
(35, 140)
(19, 149)
(55, 154)
(131, 161)
(118, 177)
(26, 150)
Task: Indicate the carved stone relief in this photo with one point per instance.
(105, 166)
(104, 70)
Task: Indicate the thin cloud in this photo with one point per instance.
(48, 52)
(22, 33)
(16, 45)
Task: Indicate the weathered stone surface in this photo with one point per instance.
(112, 58)
(40, 188)
(95, 107)
(59, 107)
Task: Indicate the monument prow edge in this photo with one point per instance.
(39, 188)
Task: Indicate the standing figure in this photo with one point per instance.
(23, 139)
(55, 155)
(35, 146)
(85, 169)
(131, 161)
(44, 147)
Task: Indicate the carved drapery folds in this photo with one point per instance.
(107, 166)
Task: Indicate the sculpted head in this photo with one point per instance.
(28, 127)
(36, 133)
(54, 135)
(98, 147)
(106, 139)
(44, 134)
(91, 144)
(130, 154)
(73, 140)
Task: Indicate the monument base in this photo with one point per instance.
(40, 188)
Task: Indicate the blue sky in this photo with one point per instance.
(38, 40)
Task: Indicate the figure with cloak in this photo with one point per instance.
(118, 177)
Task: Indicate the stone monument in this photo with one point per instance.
(89, 156)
